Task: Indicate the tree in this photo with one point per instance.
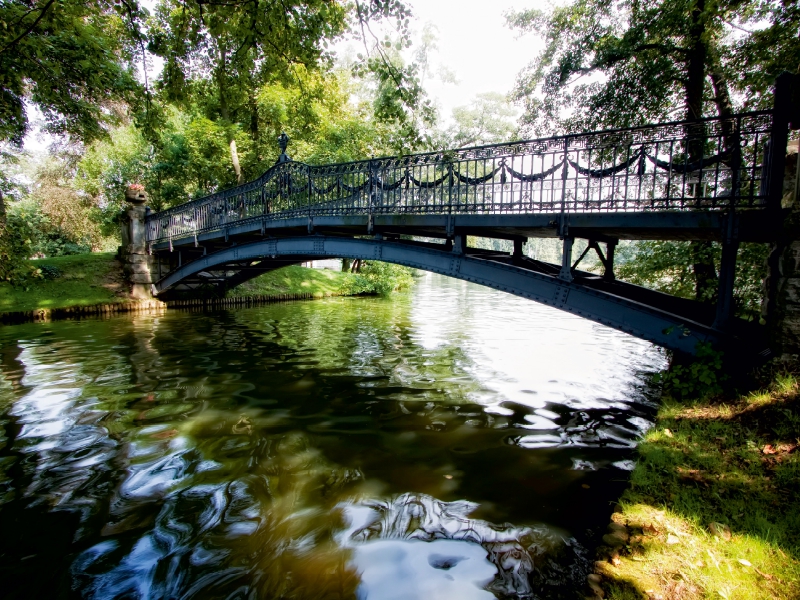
(72, 59)
(228, 50)
(616, 63)
(624, 62)
(488, 119)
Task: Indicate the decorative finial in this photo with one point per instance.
(283, 142)
(135, 194)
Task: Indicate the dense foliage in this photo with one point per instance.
(382, 278)
(624, 62)
(70, 58)
(615, 63)
(235, 76)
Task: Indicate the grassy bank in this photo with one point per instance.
(294, 280)
(78, 280)
(713, 510)
(96, 279)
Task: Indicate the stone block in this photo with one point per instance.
(140, 291)
(138, 268)
(140, 278)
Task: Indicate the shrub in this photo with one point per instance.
(16, 246)
(697, 378)
(378, 278)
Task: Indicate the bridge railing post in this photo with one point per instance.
(370, 196)
(225, 216)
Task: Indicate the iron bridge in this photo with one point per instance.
(714, 179)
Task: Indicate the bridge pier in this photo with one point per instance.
(140, 269)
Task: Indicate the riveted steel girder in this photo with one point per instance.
(656, 325)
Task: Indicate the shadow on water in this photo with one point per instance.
(313, 450)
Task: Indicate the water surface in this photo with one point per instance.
(451, 442)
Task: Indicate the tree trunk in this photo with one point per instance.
(255, 122)
(705, 275)
(225, 114)
(722, 98)
(346, 263)
(696, 65)
(235, 158)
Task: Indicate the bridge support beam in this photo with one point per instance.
(781, 306)
(608, 263)
(566, 259)
(727, 277)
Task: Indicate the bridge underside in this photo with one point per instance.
(229, 258)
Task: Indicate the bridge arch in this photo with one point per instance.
(636, 318)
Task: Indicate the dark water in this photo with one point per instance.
(452, 442)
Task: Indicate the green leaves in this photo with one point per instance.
(698, 378)
(614, 64)
(71, 59)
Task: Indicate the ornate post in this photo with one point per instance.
(136, 262)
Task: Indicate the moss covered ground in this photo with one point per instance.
(713, 509)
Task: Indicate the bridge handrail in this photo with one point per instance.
(709, 164)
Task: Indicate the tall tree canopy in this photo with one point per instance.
(70, 58)
(616, 63)
(228, 50)
(626, 62)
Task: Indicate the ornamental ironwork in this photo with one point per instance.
(711, 164)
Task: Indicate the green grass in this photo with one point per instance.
(83, 279)
(293, 280)
(87, 279)
(735, 463)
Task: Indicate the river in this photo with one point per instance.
(448, 442)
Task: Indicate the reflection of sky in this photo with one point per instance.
(530, 353)
(415, 546)
(410, 569)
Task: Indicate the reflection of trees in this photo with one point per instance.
(258, 520)
(208, 454)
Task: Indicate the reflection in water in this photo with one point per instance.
(442, 440)
(501, 558)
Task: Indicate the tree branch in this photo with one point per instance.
(31, 28)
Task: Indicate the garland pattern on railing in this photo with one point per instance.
(630, 170)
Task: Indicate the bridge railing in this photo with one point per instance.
(711, 164)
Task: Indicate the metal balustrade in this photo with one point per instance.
(708, 165)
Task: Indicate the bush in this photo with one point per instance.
(378, 278)
(50, 271)
(16, 236)
(697, 378)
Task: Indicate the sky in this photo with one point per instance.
(473, 43)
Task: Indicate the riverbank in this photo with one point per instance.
(713, 506)
(93, 284)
